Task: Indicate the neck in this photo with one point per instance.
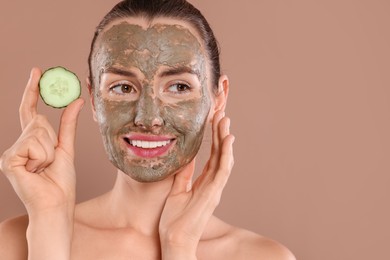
(136, 205)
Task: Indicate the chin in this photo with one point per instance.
(148, 177)
(147, 174)
(156, 172)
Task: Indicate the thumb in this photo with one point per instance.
(67, 131)
(183, 179)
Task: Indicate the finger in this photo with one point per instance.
(28, 105)
(221, 125)
(214, 155)
(216, 121)
(183, 180)
(226, 162)
(211, 192)
(43, 137)
(223, 129)
(33, 151)
(40, 155)
(38, 123)
(68, 125)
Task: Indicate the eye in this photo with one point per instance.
(122, 89)
(179, 88)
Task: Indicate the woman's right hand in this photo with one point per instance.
(40, 165)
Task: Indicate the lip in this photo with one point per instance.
(149, 152)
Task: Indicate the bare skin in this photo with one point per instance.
(167, 219)
(219, 241)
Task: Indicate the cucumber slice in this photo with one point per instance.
(58, 87)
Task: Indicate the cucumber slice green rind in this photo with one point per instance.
(59, 87)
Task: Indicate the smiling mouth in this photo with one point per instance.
(148, 144)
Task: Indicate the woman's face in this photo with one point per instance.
(152, 97)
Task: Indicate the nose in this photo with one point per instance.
(148, 112)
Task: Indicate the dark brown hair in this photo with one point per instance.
(177, 9)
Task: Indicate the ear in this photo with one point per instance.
(91, 99)
(222, 94)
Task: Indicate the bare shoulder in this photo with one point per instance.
(254, 246)
(229, 242)
(13, 242)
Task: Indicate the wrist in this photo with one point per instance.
(63, 215)
(49, 234)
(179, 251)
(51, 209)
(54, 207)
(176, 253)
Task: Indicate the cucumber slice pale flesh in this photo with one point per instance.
(59, 87)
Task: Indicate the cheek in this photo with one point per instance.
(114, 115)
(187, 116)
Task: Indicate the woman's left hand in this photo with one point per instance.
(188, 209)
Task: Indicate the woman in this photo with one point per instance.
(155, 84)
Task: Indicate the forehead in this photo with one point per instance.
(147, 25)
(162, 41)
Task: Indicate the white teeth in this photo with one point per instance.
(147, 144)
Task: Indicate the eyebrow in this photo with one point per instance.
(119, 71)
(177, 71)
(165, 73)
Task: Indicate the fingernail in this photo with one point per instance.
(221, 115)
(227, 126)
(189, 186)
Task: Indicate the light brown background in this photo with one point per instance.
(309, 102)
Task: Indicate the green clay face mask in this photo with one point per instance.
(152, 109)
